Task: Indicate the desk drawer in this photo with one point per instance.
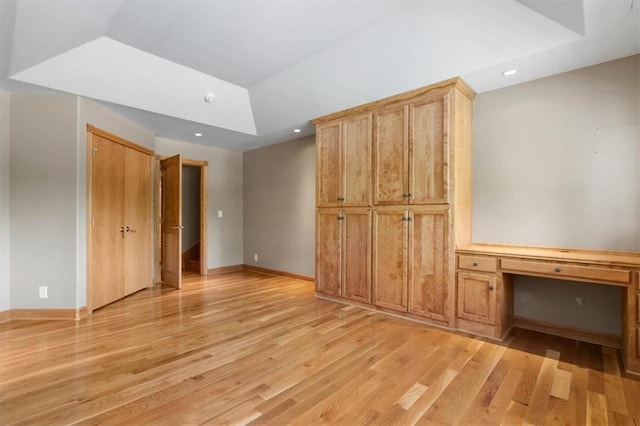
(561, 270)
(477, 263)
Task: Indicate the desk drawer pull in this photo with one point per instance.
(575, 271)
(477, 263)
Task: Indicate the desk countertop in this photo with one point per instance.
(611, 258)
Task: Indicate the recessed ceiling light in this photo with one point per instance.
(208, 98)
(509, 72)
(296, 130)
(198, 134)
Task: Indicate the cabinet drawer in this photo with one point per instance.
(560, 270)
(477, 263)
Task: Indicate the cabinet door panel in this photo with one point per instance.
(107, 209)
(389, 259)
(138, 216)
(328, 173)
(357, 161)
(390, 145)
(428, 273)
(429, 151)
(477, 297)
(328, 251)
(356, 280)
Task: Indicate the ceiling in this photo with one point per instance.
(272, 66)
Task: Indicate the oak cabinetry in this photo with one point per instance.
(430, 286)
(343, 239)
(410, 261)
(344, 157)
(390, 263)
(400, 157)
(481, 290)
(477, 297)
(485, 290)
(411, 152)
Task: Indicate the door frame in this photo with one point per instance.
(203, 165)
(91, 131)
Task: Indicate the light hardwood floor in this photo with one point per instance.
(246, 347)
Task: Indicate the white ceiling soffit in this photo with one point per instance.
(146, 81)
(298, 59)
(243, 42)
(424, 43)
(567, 13)
(612, 31)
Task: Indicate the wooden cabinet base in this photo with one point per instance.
(394, 313)
(482, 330)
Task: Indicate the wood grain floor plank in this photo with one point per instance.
(249, 348)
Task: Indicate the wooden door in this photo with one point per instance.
(138, 214)
(329, 191)
(171, 270)
(328, 251)
(389, 277)
(429, 148)
(356, 264)
(390, 156)
(429, 287)
(477, 297)
(107, 221)
(356, 151)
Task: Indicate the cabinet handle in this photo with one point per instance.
(130, 230)
(558, 270)
(491, 287)
(122, 229)
(406, 195)
(340, 217)
(340, 198)
(177, 227)
(475, 263)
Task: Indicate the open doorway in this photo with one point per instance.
(191, 241)
(185, 188)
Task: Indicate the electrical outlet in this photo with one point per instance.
(219, 213)
(255, 257)
(42, 292)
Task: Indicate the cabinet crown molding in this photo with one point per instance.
(455, 82)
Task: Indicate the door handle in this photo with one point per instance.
(177, 227)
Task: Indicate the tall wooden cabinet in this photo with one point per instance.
(120, 215)
(344, 161)
(406, 162)
(343, 245)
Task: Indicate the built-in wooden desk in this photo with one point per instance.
(485, 289)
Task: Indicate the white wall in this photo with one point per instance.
(279, 203)
(43, 213)
(224, 183)
(557, 160)
(5, 288)
(557, 163)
